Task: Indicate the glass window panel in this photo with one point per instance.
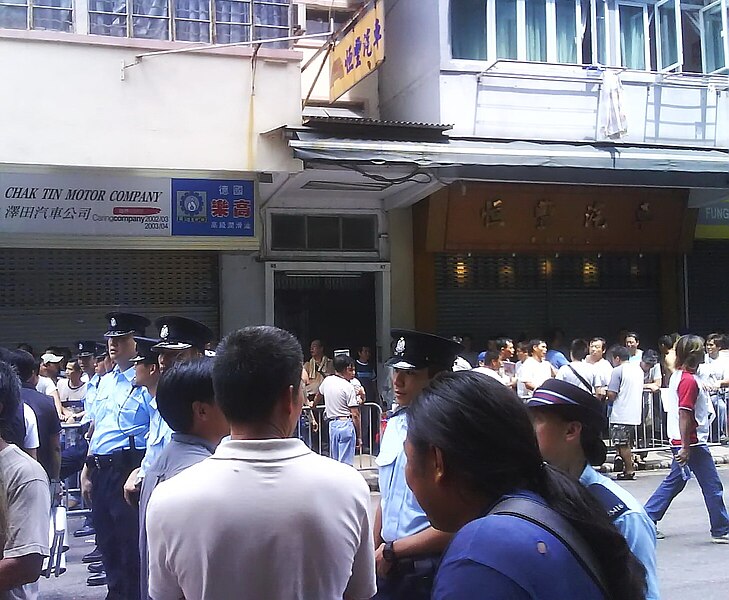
(468, 29)
(536, 30)
(566, 31)
(150, 29)
(52, 19)
(358, 233)
(230, 34)
(108, 6)
(317, 21)
(192, 31)
(288, 232)
(268, 33)
(152, 8)
(713, 39)
(323, 233)
(232, 12)
(53, 3)
(632, 37)
(506, 29)
(198, 10)
(600, 32)
(669, 37)
(271, 14)
(114, 23)
(13, 17)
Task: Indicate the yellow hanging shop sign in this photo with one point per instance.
(358, 53)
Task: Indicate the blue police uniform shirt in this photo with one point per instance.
(401, 514)
(157, 438)
(92, 388)
(120, 410)
(630, 519)
(498, 556)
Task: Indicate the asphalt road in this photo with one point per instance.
(689, 566)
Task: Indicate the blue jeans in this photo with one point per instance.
(703, 468)
(342, 440)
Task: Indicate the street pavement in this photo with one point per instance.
(689, 566)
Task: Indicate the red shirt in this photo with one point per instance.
(688, 393)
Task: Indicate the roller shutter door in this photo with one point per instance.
(54, 297)
(522, 296)
(708, 275)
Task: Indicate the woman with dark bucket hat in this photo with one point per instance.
(523, 529)
(567, 421)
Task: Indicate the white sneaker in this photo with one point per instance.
(721, 539)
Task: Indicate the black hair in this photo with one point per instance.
(253, 367)
(533, 343)
(179, 387)
(9, 393)
(579, 349)
(27, 347)
(667, 342)
(341, 362)
(621, 352)
(503, 342)
(600, 339)
(479, 409)
(633, 335)
(490, 357)
(25, 364)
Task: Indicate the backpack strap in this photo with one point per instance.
(554, 523)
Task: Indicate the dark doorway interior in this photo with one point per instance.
(338, 309)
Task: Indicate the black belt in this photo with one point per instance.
(119, 459)
(420, 566)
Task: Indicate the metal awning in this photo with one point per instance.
(581, 163)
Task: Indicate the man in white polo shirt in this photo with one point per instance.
(264, 517)
(342, 410)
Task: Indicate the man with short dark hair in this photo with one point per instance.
(625, 391)
(242, 523)
(185, 400)
(602, 367)
(577, 372)
(28, 504)
(535, 370)
(489, 363)
(342, 410)
(632, 342)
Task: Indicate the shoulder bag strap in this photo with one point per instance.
(581, 378)
(559, 527)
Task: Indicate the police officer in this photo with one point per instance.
(408, 548)
(120, 416)
(180, 340)
(568, 421)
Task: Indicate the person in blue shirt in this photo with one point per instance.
(407, 547)
(567, 422)
(120, 415)
(471, 450)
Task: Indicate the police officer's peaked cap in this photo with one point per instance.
(417, 350)
(180, 333)
(145, 354)
(85, 348)
(121, 323)
(556, 393)
(101, 351)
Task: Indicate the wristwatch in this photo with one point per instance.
(388, 552)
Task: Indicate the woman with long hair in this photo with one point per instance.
(689, 422)
(470, 446)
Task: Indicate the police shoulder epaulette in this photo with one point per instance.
(612, 504)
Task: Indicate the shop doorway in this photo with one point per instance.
(339, 309)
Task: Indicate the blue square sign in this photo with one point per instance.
(212, 207)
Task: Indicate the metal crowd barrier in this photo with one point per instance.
(317, 436)
(652, 435)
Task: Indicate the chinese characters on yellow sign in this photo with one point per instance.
(358, 53)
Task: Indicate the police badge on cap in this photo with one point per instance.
(125, 324)
(145, 352)
(85, 348)
(418, 350)
(180, 333)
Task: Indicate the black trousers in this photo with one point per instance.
(117, 531)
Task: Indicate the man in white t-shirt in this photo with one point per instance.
(48, 371)
(601, 366)
(577, 372)
(535, 370)
(631, 343)
(28, 506)
(263, 517)
(625, 391)
(72, 392)
(342, 410)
